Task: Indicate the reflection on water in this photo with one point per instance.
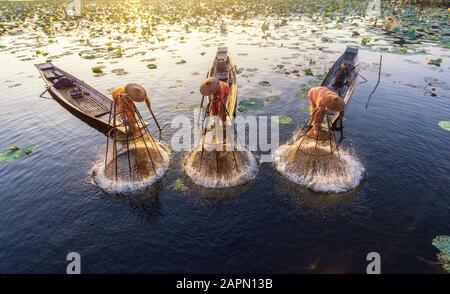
(267, 225)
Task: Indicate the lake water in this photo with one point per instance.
(50, 206)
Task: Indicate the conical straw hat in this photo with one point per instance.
(136, 92)
(209, 86)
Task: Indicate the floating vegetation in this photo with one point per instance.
(38, 53)
(250, 104)
(303, 92)
(283, 119)
(445, 124)
(273, 98)
(119, 72)
(436, 61)
(400, 50)
(308, 72)
(442, 243)
(151, 66)
(98, 69)
(182, 61)
(366, 40)
(14, 152)
(178, 185)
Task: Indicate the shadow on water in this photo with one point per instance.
(301, 196)
(217, 197)
(146, 204)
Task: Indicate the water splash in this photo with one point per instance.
(220, 169)
(328, 174)
(105, 183)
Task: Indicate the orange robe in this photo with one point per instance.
(319, 97)
(217, 107)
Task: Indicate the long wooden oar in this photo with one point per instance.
(147, 101)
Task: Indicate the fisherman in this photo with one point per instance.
(219, 92)
(322, 99)
(342, 78)
(124, 97)
(134, 92)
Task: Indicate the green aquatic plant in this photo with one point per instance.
(119, 72)
(409, 34)
(308, 72)
(39, 52)
(400, 50)
(178, 185)
(273, 98)
(14, 152)
(442, 243)
(445, 124)
(98, 69)
(436, 61)
(282, 119)
(250, 104)
(303, 92)
(151, 66)
(366, 40)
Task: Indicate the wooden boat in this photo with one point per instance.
(323, 142)
(91, 106)
(217, 161)
(223, 69)
(345, 91)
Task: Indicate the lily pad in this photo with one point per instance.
(366, 40)
(445, 124)
(119, 72)
(178, 185)
(273, 98)
(250, 104)
(14, 152)
(308, 72)
(97, 69)
(436, 61)
(264, 83)
(400, 50)
(303, 92)
(409, 34)
(283, 119)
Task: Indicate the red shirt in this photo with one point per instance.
(217, 107)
